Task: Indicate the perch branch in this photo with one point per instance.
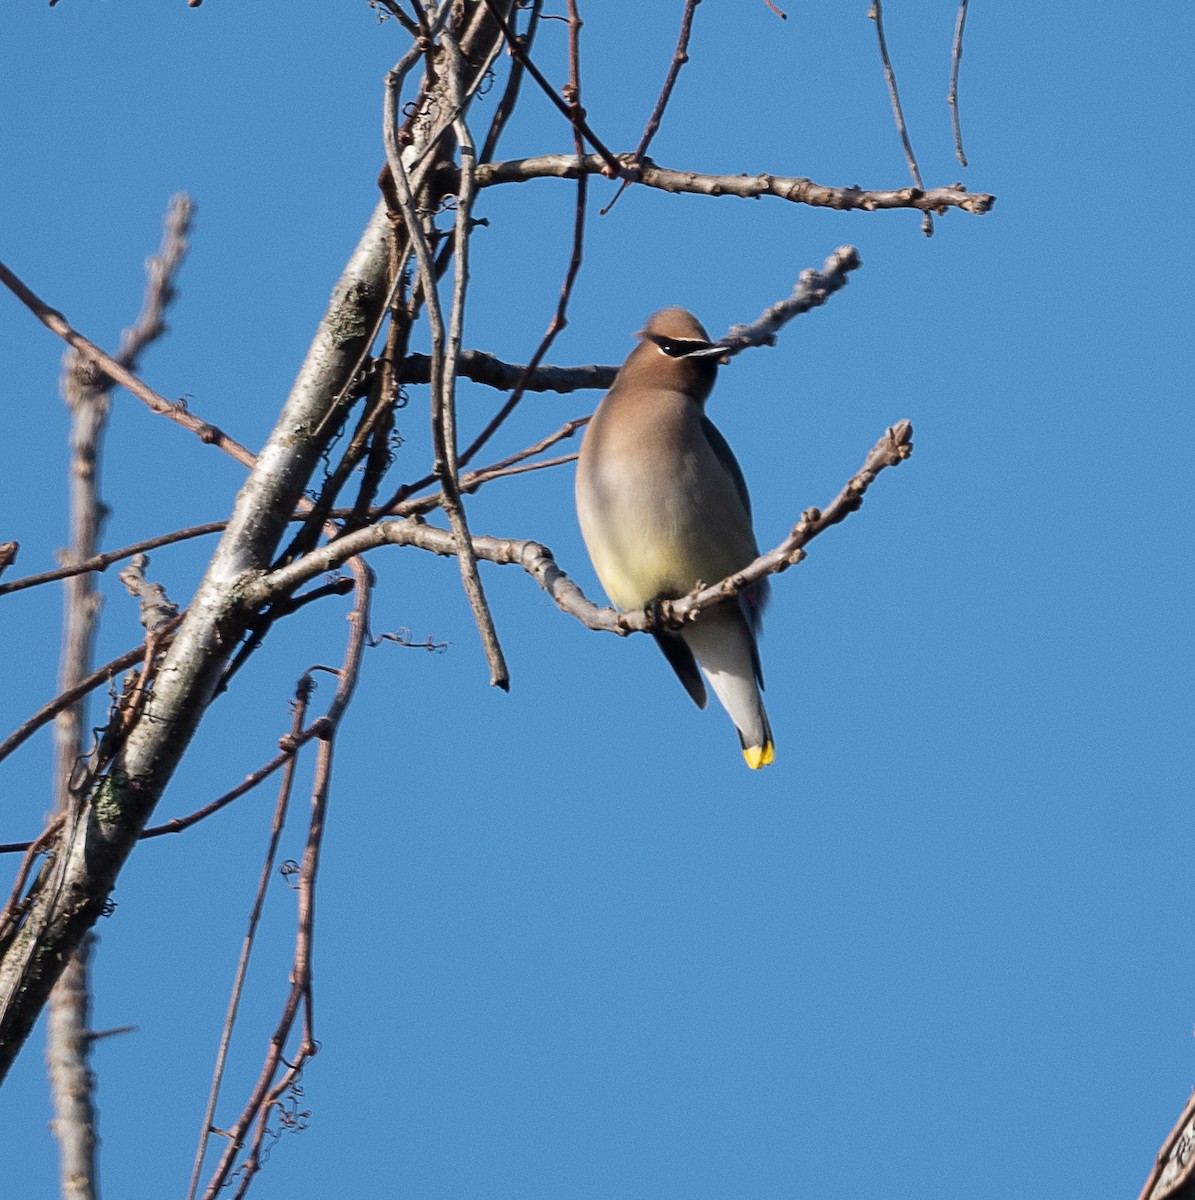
(893, 448)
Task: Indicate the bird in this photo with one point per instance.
(662, 503)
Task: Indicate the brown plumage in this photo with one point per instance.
(662, 503)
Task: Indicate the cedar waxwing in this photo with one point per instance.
(662, 503)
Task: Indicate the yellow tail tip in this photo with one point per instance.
(759, 756)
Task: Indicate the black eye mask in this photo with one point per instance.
(684, 347)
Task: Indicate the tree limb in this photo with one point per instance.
(537, 560)
(71, 894)
(795, 189)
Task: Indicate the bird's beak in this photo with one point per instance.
(716, 350)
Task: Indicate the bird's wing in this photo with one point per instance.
(680, 659)
(725, 456)
(755, 598)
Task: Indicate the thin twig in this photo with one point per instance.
(291, 747)
(812, 290)
(13, 912)
(613, 169)
(680, 56)
(176, 411)
(471, 481)
(102, 561)
(876, 13)
(447, 464)
(162, 269)
(559, 317)
(89, 683)
(298, 716)
(267, 1093)
(956, 57)
(442, 372)
(475, 479)
(559, 321)
(506, 105)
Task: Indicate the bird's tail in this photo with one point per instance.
(724, 646)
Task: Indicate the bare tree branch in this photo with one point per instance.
(956, 58)
(71, 894)
(680, 56)
(102, 561)
(892, 449)
(812, 290)
(268, 1096)
(1172, 1176)
(177, 412)
(443, 357)
(86, 390)
(876, 13)
(611, 166)
(72, 1082)
(298, 714)
(795, 189)
(485, 368)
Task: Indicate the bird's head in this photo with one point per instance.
(675, 352)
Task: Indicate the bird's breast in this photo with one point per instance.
(657, 509)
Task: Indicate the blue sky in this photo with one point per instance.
(567, 944)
